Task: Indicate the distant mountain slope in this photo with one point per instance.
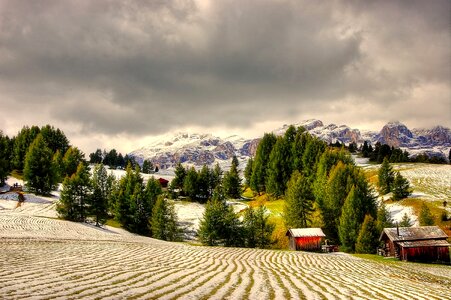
(199, 149)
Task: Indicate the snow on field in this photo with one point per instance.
(432, 182)
(397, 211)
(44, 258)
(47, 258)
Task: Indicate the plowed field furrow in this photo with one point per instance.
(43, 258)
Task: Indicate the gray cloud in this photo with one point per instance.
(130, 68)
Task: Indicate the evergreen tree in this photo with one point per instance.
(400, 187)
(55, 139)
(39, 171)
(259, 170)
(405, 221)
(366, 150)
(298, 202)
(75, 195)
(279, 168)
(96, 157)
(220, 225)
(5, 156)
(72, 158)
(151, 192)
(298, 148)
(349, 226)
(384, 219)
(248, 172)
(127, 198)
(58, 165)
(425, 218)
(203, 184)
(216, 178)
(164, 221)
(102, 186)
(386, 177)
(257, 228)
(232, 181)
(310, 158)
(190, 184)
(368, 239)
(147, 167)
(179, 179)
(22, 142)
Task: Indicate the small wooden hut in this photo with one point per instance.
(305, 239)
(425, 244)
(163, 182)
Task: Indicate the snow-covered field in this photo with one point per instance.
(44, 258)
(47, 258)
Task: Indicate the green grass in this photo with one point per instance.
(377, 258)
(113, 223)
(17, 174)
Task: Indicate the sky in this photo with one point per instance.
(112, 74)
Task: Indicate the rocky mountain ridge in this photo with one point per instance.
(199, 149)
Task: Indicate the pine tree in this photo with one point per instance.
(425, 218)
(386, 177)
(39, 171)
(96, 157)
(127, 198)
(400, 187)
(22, 142)
(298, 202)
(164, 221)
(248, 172)
(75, 195)
(55, 139)
(203, 184)
(220, 225)
(368, 238)
(232, 181)
(405, 221)
(279, 168)
(384, 219)
(5, 157)
(259, 170)
(72, 158)
(147, 167)
(102, 186)
(58, 165)
(349, 226)
(264, 228)
(179, 179)
(190, 184)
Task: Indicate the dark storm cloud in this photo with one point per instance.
(146, 67)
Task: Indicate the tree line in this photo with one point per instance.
(139, 207)
(43, 155)
(321, 185)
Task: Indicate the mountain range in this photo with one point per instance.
(199, 149)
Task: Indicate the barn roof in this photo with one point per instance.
(304, 232)
(425, 243)
(414, 233)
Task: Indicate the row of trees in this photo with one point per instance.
(43, 155)
(222, 226)
(321, 185)
(201, 185)
(111, 158)
(138, 207)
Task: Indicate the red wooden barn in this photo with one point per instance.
(425, 243)
(163, 182)
(309, 239)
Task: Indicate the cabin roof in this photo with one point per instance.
(305, 232)
(413, 233)
(424, 243)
